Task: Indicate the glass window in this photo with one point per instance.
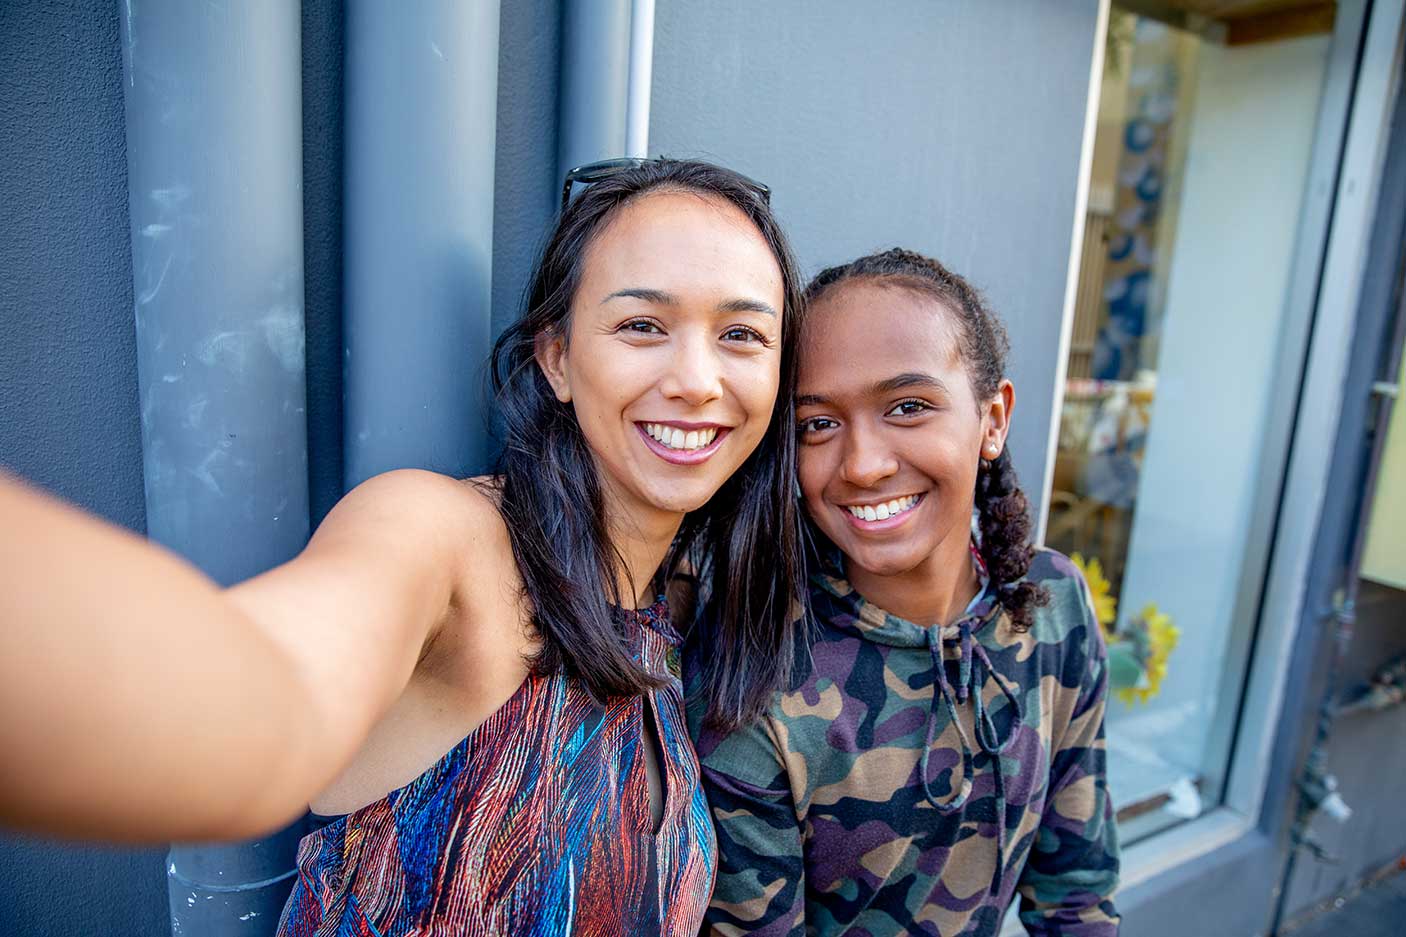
(1177, 367)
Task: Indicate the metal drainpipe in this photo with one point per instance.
(641, 77)
(595, 81)
(214, 173)
(421, 97)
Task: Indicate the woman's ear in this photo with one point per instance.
(996, 420)
(549, 348)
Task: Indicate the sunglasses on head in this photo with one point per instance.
(605, 168)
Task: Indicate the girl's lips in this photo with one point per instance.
(684, 456)
(888, 523)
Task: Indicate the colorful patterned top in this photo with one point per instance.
(890, 794)
(537, 823)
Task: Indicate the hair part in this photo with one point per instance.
(745, 541)
(1003, 510)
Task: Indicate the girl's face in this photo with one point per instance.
(673, 359)
(891, 434)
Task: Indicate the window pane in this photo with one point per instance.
(1175, 368)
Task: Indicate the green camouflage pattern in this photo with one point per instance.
(888, 794)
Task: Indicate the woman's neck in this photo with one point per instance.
(935, 592)
(641, 543)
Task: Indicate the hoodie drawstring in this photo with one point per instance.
(973, 669)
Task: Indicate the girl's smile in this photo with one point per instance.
(876, 516)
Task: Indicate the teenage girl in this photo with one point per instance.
(473, 677)
(941, 748)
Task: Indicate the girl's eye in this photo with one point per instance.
(816, 424)
(909, 408)
(741, 333)
(642, 327)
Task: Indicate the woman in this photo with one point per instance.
(446, 669)
(942, 747)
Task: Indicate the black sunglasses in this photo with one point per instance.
(605, 168)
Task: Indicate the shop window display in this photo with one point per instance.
(1175, 370)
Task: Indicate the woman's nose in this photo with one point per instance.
(695, 373)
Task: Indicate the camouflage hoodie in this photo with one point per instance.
(888, 794)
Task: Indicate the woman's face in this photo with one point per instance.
(891, 434)
(673, 359)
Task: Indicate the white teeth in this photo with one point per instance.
(675, 438)
(883, 511)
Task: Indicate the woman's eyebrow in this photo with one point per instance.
(661, 298)
(658, 297)
(746, 305)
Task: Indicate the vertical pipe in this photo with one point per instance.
(641, 77)
(214, 171)
(595, 81)
(420, 113)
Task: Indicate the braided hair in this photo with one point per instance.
(1003, 510)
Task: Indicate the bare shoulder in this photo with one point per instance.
(438, 510)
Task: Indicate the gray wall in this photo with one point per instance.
(68, 385)
(950, 128)
(68, 381)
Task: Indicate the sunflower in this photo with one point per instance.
(1105, 604)
(1157, 637)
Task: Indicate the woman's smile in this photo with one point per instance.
(683, 443)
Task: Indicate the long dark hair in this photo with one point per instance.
(744, 542)
(1003, 510)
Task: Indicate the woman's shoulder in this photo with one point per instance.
(420, 496)
(448, 519)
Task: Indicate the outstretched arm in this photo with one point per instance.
(141, 702)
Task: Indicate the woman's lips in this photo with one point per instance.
(684, 456)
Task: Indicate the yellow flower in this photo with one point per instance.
(1161, 637)
(1105, 605)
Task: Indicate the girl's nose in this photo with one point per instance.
(867, 459)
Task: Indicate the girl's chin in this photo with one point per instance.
(873, 561)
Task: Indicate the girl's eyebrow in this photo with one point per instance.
(906, 380)
(886, 386)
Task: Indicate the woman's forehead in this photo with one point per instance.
(687, 236)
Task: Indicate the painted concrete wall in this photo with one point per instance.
(950, 128)
(68, 385)
(68, 382)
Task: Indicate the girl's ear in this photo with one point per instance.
(996, 420)
(549, 349)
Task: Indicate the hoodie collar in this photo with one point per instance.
(875, 624)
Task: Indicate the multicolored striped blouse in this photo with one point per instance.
(537, 823)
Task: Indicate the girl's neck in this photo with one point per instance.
(935, 592)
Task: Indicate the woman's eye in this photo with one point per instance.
(642, 327)
(816, 424)
(909, 408)
(741, 333)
